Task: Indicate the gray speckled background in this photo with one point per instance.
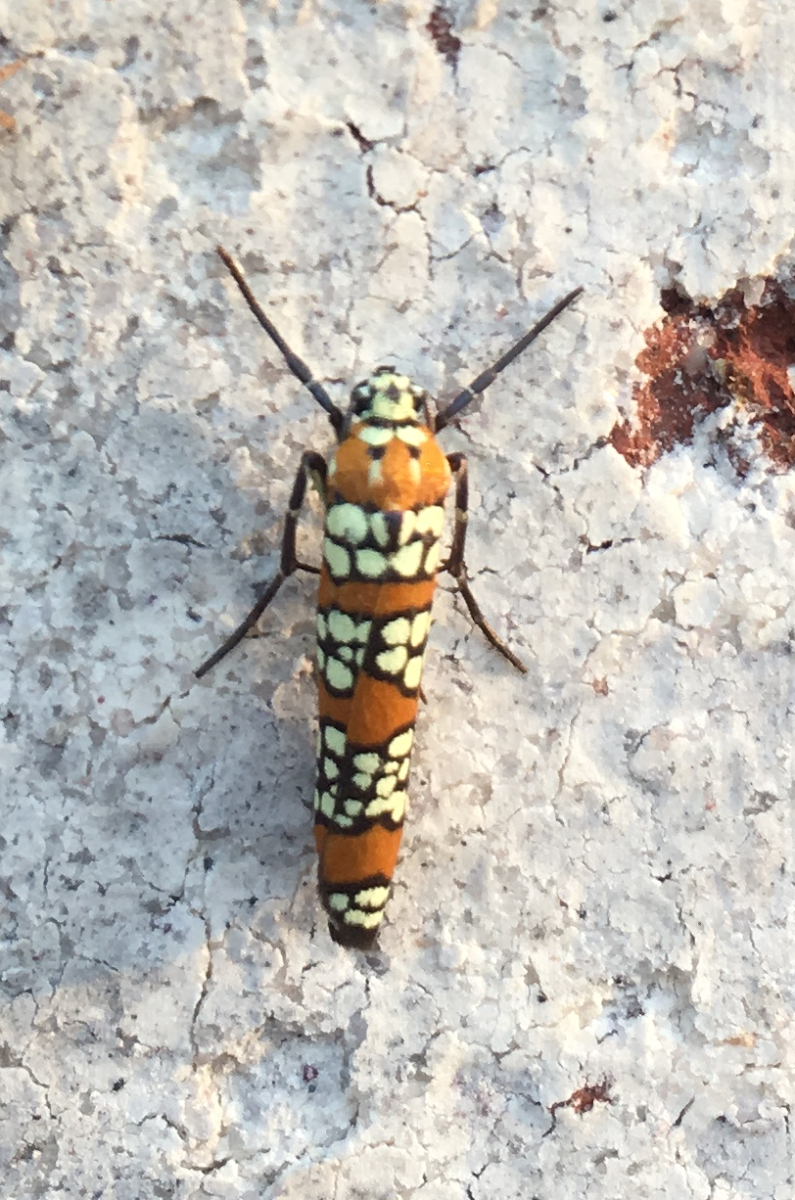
(595, 886)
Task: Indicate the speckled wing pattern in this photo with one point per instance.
(384, 518)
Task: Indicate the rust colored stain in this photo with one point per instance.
(583, 1100)
(440, 27)
(700, 359)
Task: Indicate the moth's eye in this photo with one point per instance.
(360, 398)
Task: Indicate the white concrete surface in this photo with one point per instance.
(595, 886)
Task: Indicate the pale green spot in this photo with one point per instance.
(392, 662)
(330, 768)
(338, 675)
(343, 822)
(335, 740)
(368, 761)
(370, 563)
(321, 659)
(338, 901)
(341, 627)
(327, 804)
(347, 523)
(374, 435)
(353, 807)
(345, 653)
(362, 781)
(321, 626)
(338, 559)
(380, 528)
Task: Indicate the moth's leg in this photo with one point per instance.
(456, 564)
(312, 467)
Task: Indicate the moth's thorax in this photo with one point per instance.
(388, 456)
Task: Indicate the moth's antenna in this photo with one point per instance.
(482, 382)
(294, 363)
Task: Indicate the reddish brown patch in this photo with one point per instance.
(700, 359)
(583, 1100)
(440, 27)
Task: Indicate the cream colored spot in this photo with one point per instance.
(353, 807)
(390, 768)
(419, 628)
(432, 558)
(400, 745)
(338, 559)
(370, 563)
(374, 435)
(392, 662)
(412, 435)
(355, 916)
(335, 740)
(376, 807)
(403, 771)
(341, 627)
(338, 675)
(431, 520)
(407, 523)
(327, 804)
(332, 466)
(338, 901)
(415, 472)
(374, 897)
(395, 805)
(347, 523)
(406, 561)
(413, 673)
(330, 768)
(386, 786)
(321, 626)
(367, 762)
(380, 528)
(374, 472)
(362, 781)
(397, 632)
(399, 801)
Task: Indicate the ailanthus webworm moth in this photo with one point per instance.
(383, 491)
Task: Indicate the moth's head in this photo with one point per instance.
(389, 396)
